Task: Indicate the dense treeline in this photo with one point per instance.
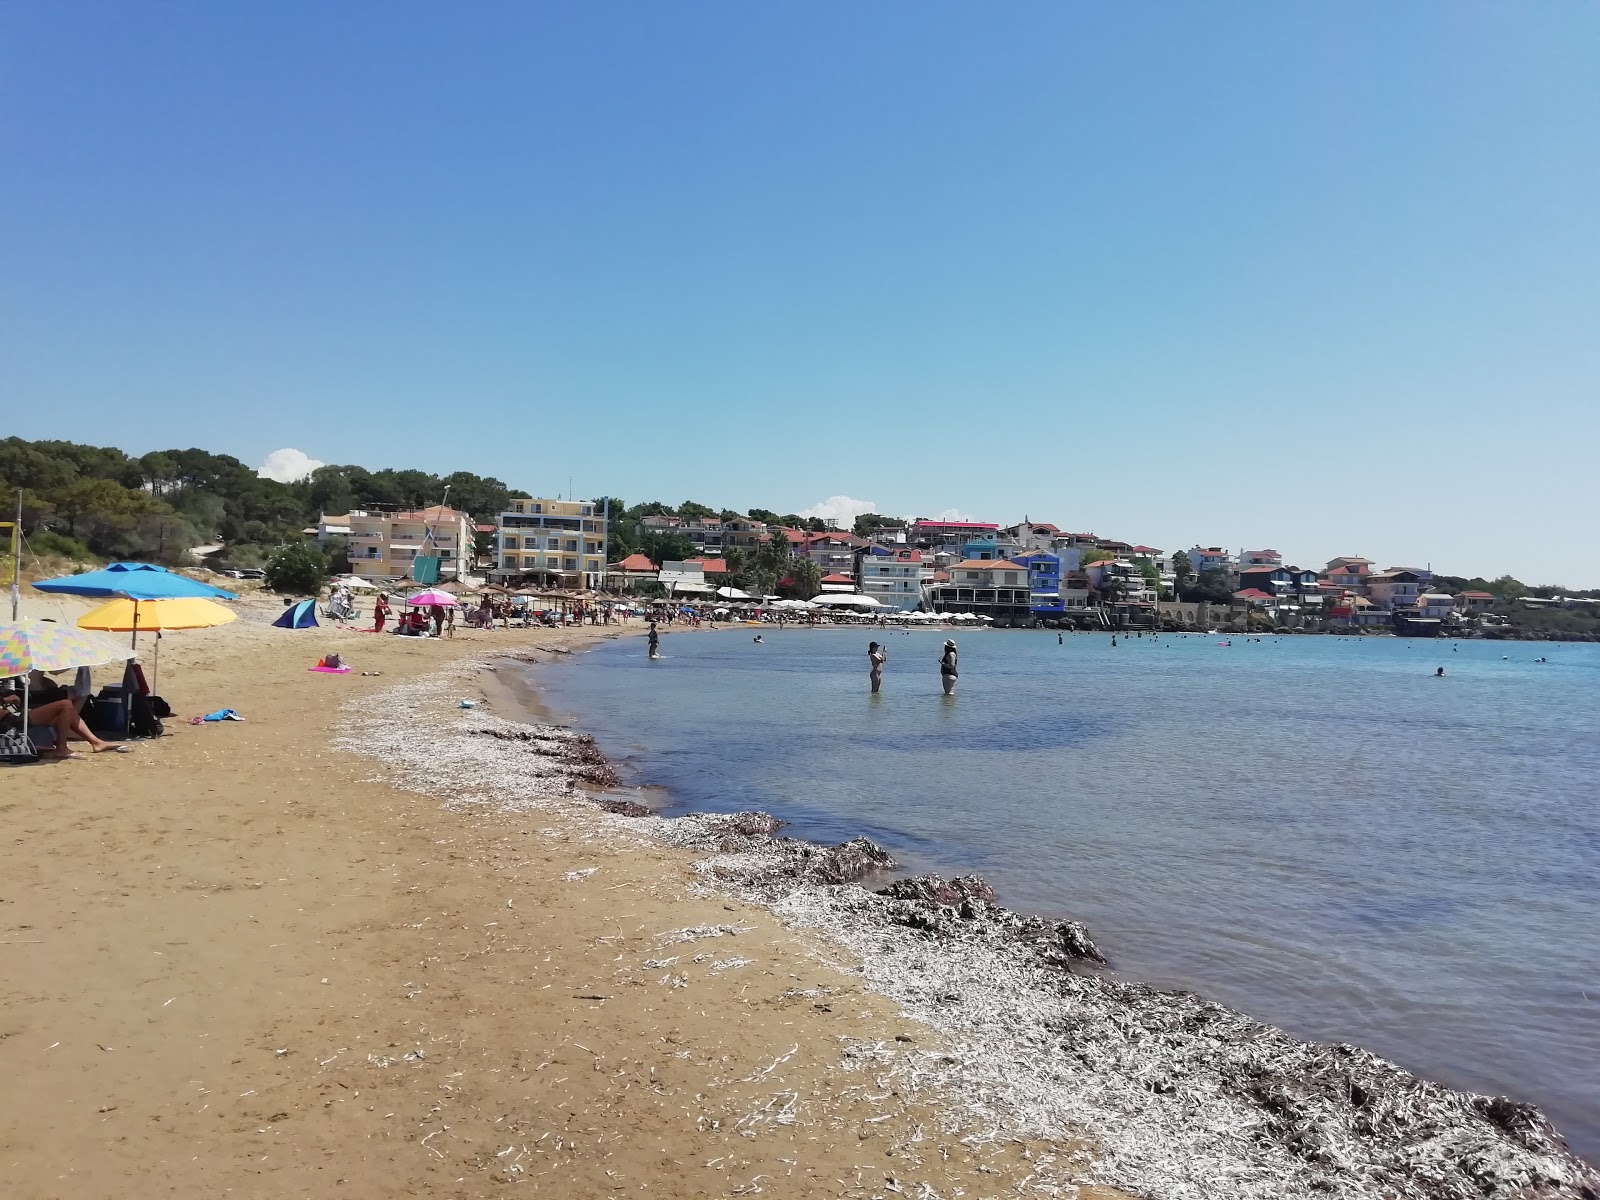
(96, 501)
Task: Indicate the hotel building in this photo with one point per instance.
(556, 543)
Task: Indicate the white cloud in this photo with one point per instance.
(842, 510)
(287, 466)
(952, 514)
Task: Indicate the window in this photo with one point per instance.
(509, 562)
(571, 564)
(572, 546)
(511, 543)
(553, 544)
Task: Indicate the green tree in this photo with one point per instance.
(765, 515)
(1210, 586)
(298, 568)
(1182, 568)
(805, 578)
(690, 511)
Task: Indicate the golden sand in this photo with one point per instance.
(238, 962)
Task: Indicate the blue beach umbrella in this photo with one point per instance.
(136, 581)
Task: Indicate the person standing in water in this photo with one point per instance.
(655, 641)
(947, 668)
(876, 657)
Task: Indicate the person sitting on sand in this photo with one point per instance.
(51, 706)
(876, 658)
(948, 673)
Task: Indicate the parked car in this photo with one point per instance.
(249, 573)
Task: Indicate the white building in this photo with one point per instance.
(895, 580)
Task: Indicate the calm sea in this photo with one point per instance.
(1315, 830)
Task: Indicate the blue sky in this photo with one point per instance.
(1324, 278)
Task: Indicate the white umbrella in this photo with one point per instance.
(360, 585)
(848, 601)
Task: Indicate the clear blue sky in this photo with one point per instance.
(1320, 277)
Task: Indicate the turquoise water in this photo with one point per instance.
(1315, 830)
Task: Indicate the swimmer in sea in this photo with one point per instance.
(1439, 674)
(759, 640)
(876, 657)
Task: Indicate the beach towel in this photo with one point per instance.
(322, 670)
(222, 714)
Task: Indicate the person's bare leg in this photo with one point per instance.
(84, 734)
(56, 716)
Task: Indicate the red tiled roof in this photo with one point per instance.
(1478, 596)
(479, 528)
(636, 562)
(988, 564)
(710, 566)
(1251, 594)
(838, 577)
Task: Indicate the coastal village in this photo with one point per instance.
(1022, 575)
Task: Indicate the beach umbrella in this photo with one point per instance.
(34, 645)
(136, 581)
(153, 616)
(433, 596)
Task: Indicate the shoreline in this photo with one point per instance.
(1257, 1111)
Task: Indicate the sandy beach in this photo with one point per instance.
(241, 961)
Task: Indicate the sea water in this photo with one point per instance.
(1316, 830)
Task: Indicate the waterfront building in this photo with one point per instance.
(556, 543)
(1394, 589)
(894, 578)
(1435, 604)
(982, 547)
(684, 579)
(931, 534)
(1211, 558)
(996, 588)
(385, 546)
(1476, 601)
(631, 572)
(833, 552)
(839, 583)
(1348, 572)
(1259, 558)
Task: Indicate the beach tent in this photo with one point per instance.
(300, 615)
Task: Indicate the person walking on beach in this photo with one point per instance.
(876, 657)
(947, 668)
(380, 612)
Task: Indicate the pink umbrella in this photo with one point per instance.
(432, 596)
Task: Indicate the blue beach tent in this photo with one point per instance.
(301, 615)
(136, 581)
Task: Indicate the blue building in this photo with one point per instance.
(1044, 583)
(983, 546)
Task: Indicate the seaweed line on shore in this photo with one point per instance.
(1182, 1097)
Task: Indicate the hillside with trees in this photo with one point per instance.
(95, 502)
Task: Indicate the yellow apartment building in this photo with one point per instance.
(556, 543)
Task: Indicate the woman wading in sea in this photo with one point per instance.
(876, 657)
(947, 669)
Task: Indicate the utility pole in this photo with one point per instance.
(16, 560)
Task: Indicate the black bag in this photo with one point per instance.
(142, 720)
(160, 707)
